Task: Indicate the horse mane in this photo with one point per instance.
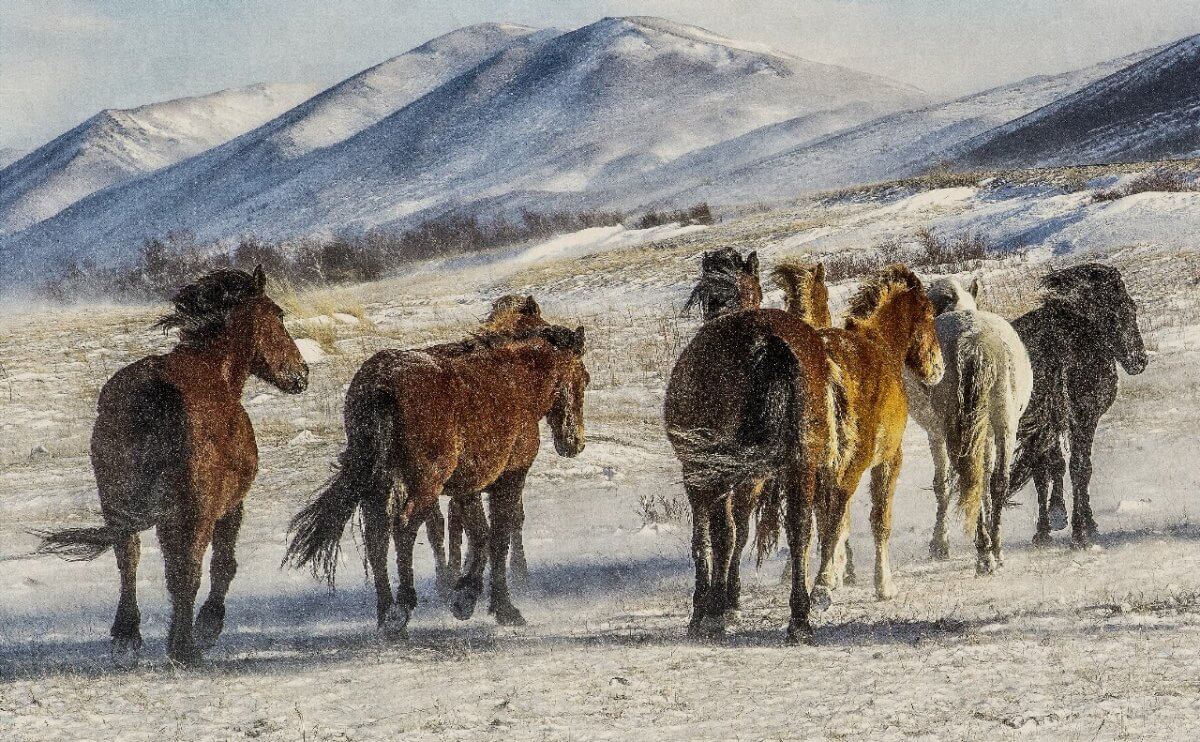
(876, 290)
(720, 272)
(512, 318)
(202, 308)
(796, 279)
(1065, 282)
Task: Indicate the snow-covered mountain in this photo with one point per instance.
(118, 144)
(1149, 110)
(892, 146)
(9, 155)
(566, 113)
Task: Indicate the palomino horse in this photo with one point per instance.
(452, 420)
(971, 416)
(173, 448)
(889, 326)
(1084, 328)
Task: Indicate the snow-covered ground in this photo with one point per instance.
(1103, 644)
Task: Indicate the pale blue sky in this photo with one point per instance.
(62, 60)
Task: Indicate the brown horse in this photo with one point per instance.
(452, 420)
(173, 448)
(890, 325)
(747, 404)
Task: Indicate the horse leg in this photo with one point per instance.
(883, 488)
(504, 500)
(435, 531)
(724, 536)
(1005, 445)
(798, 525)
(833, 505)
(1041, 482)
(701, 557)
(223, 566)
(126, 632)
(404, 534)
(1083, 525)
(517, 564)
(470, 585)
(939, 545)
(743, 505)
(849, 574)
(454, 523)
(1057, 466)
(183, 542)
(375, 534)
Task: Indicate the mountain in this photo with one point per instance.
(891, 146)
(116, 145)
(9, 155)
(1148, 111)
(593, 109)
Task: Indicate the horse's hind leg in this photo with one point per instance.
(126, 631)
(999, 491)
(517, 563)
(831, 511)
(211, 619)
(454, 539)
(504, 501)
(1056, 467)
(883, 488)
(701, 557)
(939, 545)
(724, 536)
(405, 525)
(1041, 482)
(435, 531)
(744, 499)
(470, 585)
(798, 526)
(375, 536)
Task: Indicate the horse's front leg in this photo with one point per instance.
(222, 568)
(939, 545)
(183, 539)
(504, 503)
(470, 585)
(1083, 525)
(883, 489)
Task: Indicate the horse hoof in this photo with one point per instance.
(850, 579)
(1090, 528)
(508, 615)
(1043, 539)
(126, 646)
(820, 599)
(713, 625)
(462, 603)
(1080, 542)
(1057, 515)
(939, 551)
(209, 625)
(885, 592)
(799, 634)
(732, 616)
(394, 624)
(185, 656)
(986, 566)
(702, 631)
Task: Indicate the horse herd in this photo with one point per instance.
(772, 413)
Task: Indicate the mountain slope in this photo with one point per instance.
(9, 155)
(1149, 110)
(586, 110)
(116, 145)
(888, 147)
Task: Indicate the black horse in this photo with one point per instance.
(1085, 326)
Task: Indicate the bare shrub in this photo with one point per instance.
(698, 214)
(927, 251)
(1155, 181)
(657, 508)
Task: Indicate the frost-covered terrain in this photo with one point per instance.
(1101, 644)
(116, 145)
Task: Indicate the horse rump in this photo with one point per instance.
(364, 470)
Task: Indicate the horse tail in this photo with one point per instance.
(970, 432)
(1040, 431)
(151, 466)
(364, 469)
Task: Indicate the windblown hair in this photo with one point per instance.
(1064, 283)
(202, 308)
(878, 288)
(798, 281)
(719, 289)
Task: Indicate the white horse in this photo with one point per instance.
(971, 416)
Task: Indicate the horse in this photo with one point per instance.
(1086, 325)
(728, 283)
(451, 420)
(173, 449)
(749, 401)
(971, 416)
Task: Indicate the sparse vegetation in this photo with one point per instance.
(926, 251)
(1155, 181)
(658, 509)
(698, 214)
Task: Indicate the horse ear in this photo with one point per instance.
(530, 308)
(260, 278)
(752, 263)
(578, 341)
(976, 287)
(819, 272)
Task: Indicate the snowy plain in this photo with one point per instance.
(1101, 644)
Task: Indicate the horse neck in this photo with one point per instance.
(808, 309)
(1082, 329)
(892, 325)
(533, 366)
(225, 360)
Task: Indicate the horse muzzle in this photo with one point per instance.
(296, 381)
(570, 447)
(1136, 363)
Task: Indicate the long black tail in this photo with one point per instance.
(79, 544)
(1041, 431)
(316, 531)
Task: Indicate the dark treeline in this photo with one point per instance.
(166, 263)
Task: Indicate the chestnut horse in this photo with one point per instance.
(452, 420)
(173, 448)
(889, 326)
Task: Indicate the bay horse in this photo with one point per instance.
(889, 326)
(971, 416)
(452, 420)
(173, 449)
(1086, 325)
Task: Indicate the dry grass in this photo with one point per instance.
(1155, 181)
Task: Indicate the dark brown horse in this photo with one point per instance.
(728, 283)
(173, 448)
(452, 420)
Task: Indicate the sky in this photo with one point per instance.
(61, 61)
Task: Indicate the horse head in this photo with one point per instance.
(728, 283)
(566, 413)
(948, 295)
(805, 291)
(1097, 292)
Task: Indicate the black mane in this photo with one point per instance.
(717, 291)
(202, 308)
